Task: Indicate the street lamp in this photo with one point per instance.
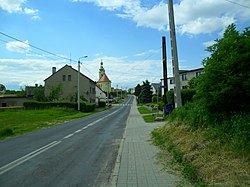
(78, 83)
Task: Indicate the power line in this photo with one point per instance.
(43, 50)
(38, 48)
(238, 4)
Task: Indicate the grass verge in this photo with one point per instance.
(152, 117)
(144, 110)
(16, 122)
(205, 162)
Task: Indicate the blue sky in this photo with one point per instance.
(125, 34)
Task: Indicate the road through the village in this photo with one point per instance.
(81, 152)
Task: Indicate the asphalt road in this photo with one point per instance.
(81, 152)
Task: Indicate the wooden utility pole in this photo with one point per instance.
(164, 61)
(177, 90)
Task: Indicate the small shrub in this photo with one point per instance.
(157, 137)
(6, 132)
(101, 104)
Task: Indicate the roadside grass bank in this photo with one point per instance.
(15, 122)
(150, 115)
(153, 118)
(200, 157)
(144, 110)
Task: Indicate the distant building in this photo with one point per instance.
(67, 79)
(185, 76)
(12, 101)
(103, 83)
(100, 95)
(30, 90)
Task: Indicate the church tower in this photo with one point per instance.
(101, 71)
(104, 83)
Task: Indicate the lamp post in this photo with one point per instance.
(78, 83)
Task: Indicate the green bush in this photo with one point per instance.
(6, 132)
(170, 97)
(101, 104)
(186, 96)
(85, 107)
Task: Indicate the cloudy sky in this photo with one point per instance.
(36, 35)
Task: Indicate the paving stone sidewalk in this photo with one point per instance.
(136, 165)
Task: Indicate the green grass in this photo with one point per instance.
(144, 110)
(188, 170)
(151, 118)
(15, 122)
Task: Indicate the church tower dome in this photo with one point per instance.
(101, 70)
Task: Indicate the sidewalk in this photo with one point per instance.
(136, 164)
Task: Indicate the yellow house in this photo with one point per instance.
(103, 83)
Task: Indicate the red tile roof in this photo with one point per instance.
(104, 78)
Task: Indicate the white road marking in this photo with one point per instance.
(68, 136)
(78, 131)
(29, 156)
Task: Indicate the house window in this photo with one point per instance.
(198, 73)
(64, 77)
(171, 81)
(184, 77)
(69, 77)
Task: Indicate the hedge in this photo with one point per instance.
(85, 107)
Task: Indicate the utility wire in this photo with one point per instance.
(43, 50)
(238, 4)
(38, 48)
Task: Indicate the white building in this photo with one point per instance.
(185, 76)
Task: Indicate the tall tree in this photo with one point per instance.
(225, 85)
(146, 92)
(137, 90)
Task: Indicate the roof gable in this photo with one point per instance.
(104, 78)
(67, 66)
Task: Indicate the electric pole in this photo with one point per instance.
(177, 90)
(164, 61)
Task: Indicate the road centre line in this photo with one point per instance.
(29, 156)
(78, 131)
(68, 136)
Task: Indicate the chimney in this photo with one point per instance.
(53, 70)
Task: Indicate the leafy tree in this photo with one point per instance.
(39, 94)
(137, 90)
(225, 85)
(192, 83)
(55, 93)
(146, 92)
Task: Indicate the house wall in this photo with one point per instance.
(185, 77)
(105, 86)
(68, 79)
(100, 95)
(12, 101)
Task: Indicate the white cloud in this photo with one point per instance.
(26, 72)
(123, 71)
(16, 6)
(191, 16)
(209, 43)
(13, 6)
(16, 46)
